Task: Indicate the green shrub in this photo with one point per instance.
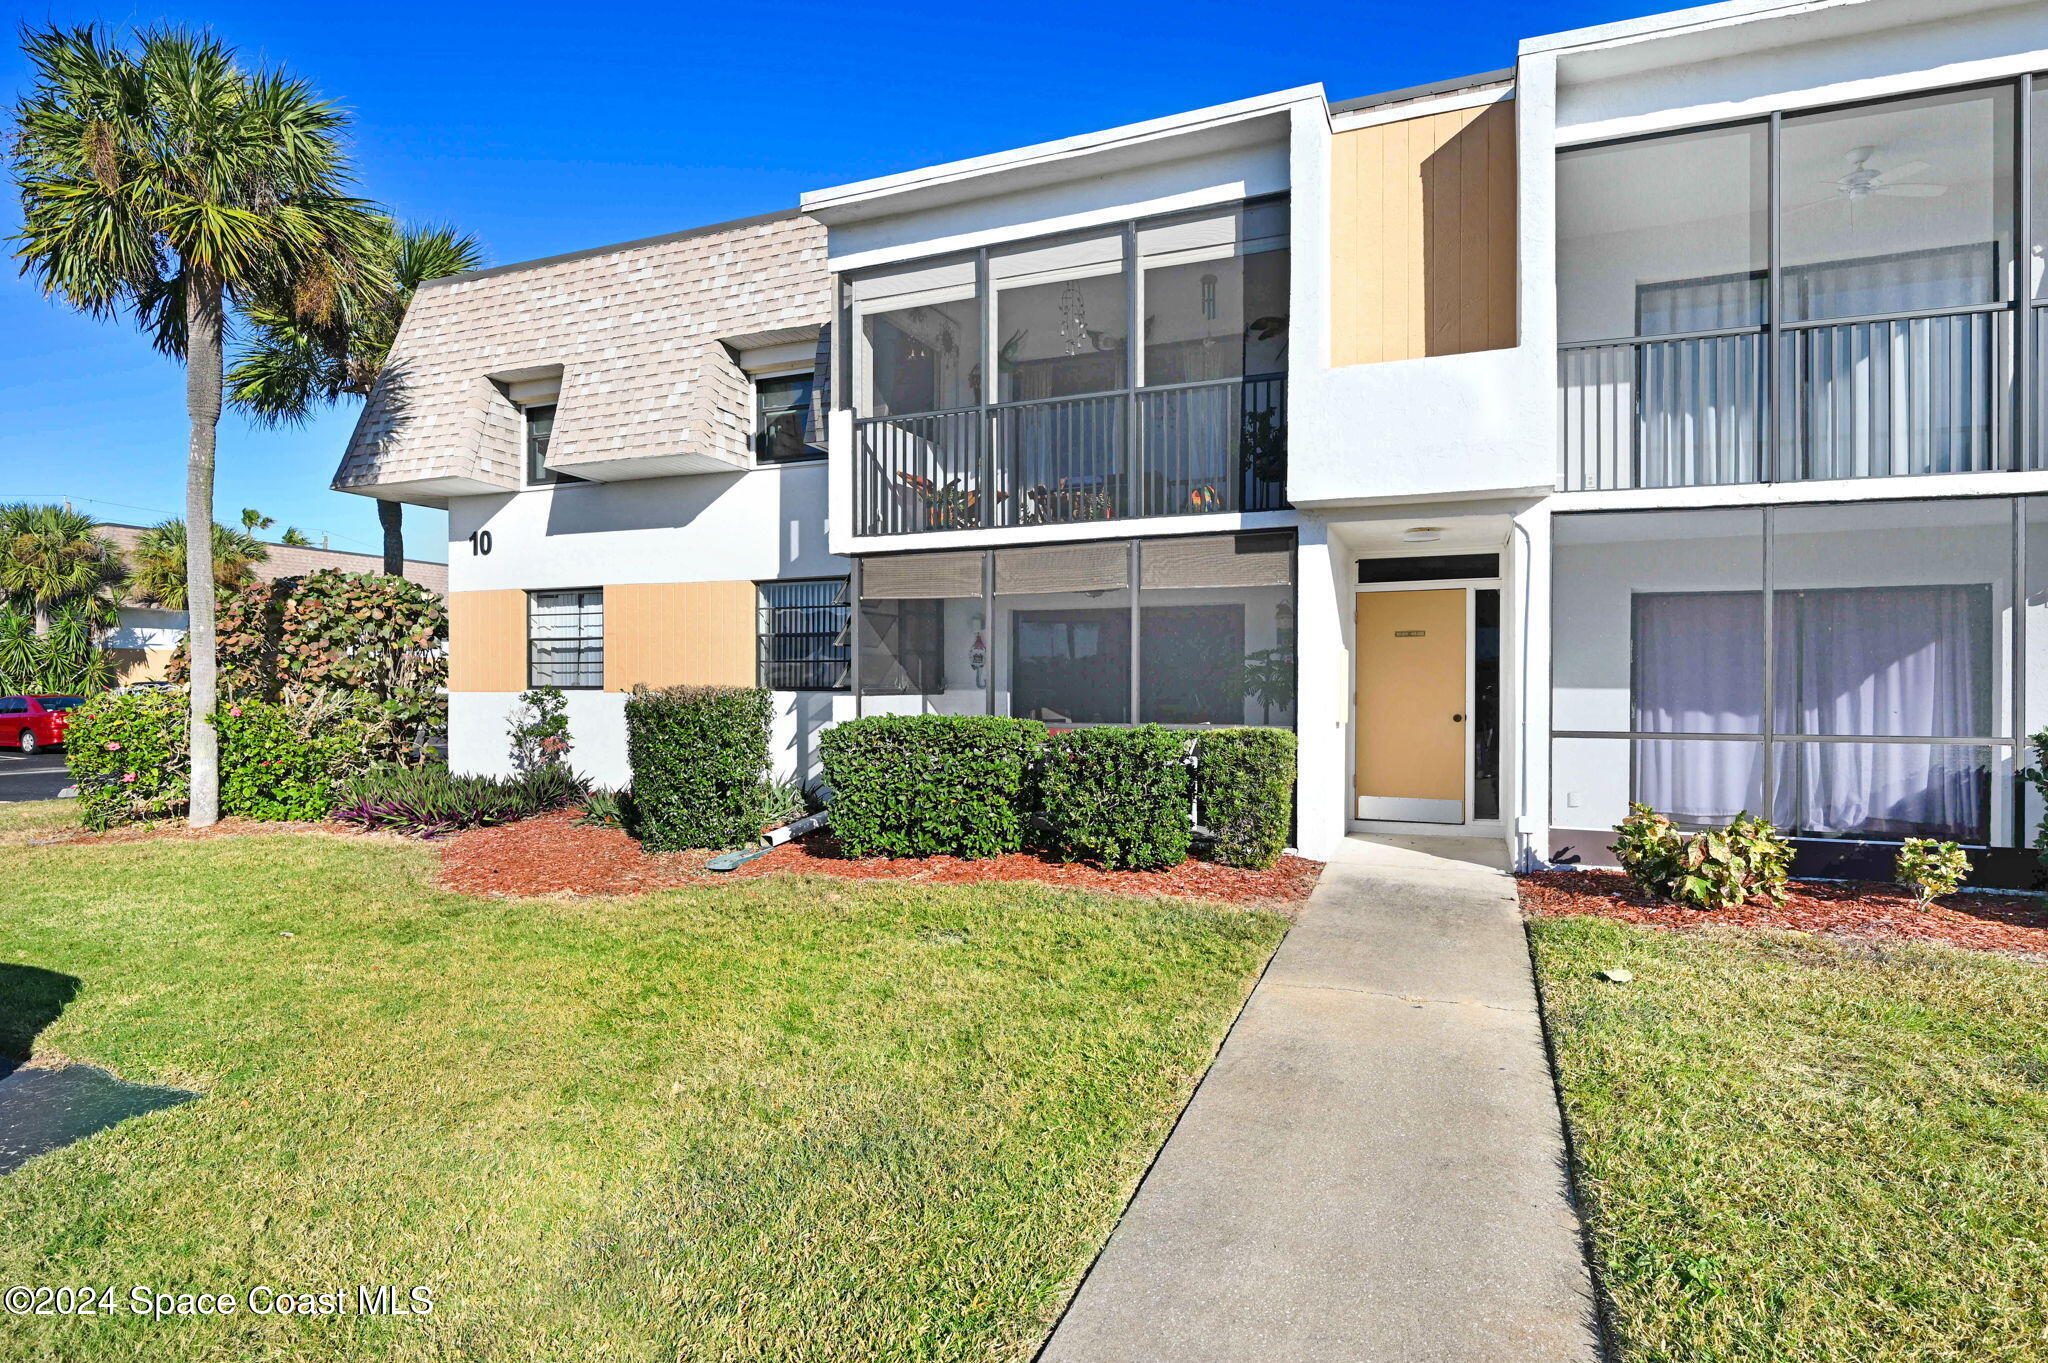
(930, 785)
(430, 801)
(287, 761)
(277, 760)
(131, 756)
(1718, 868)
(1244, 793)
(540, 729)
(1931, 868)
(1647, 846)
(607, 809)
(1118, 797)
(699, 755)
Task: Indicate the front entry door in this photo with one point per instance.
(1411, 726)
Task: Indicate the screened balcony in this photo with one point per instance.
(1820, 295)
(1090, 418)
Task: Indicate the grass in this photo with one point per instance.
(1792, 1148)
(782, 1120)
(21, 820)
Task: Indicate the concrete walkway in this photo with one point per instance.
(1373, 1169)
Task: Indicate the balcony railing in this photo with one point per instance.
(1927, 392)
(1189, 449)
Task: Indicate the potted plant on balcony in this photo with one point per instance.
(1067, 501)
(951, 505)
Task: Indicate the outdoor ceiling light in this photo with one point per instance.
(1422, 534)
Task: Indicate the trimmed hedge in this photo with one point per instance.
(1119, 797)
(699, 755)
(1244, 788)
(930, 785)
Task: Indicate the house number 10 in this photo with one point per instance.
(479, 541)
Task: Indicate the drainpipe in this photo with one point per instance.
(1526, 856)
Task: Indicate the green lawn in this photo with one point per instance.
(21, 820)
(1794, 1149)
(782, 1120)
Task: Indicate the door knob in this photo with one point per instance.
(1457, 719)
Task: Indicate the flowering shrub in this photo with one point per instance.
(1930, 868)
(131, 756)
(287, 761)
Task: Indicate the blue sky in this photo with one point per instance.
(548, 128)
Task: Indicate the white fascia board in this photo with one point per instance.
(1422, 108)
(934, 185)
(1692, 20)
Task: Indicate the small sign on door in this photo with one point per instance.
(1410, 633)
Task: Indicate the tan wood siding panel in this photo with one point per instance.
(676, 633)
(487, 641)
(1423, 236)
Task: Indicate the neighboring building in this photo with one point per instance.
(1655, 420)
(145, 636)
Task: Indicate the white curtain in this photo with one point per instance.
(1863, 399)
(1862, 662)
(1893, 661)
(1699, 669)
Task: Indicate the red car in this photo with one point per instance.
(31, 723)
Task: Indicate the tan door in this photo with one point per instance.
(1411, 705)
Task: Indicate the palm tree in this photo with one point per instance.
(50, 555)
(164, 180)
(292, 363)
(59, 580)
(162, 575)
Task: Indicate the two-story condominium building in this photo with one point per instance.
(1658, 419)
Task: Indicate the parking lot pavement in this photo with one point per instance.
(32, 778)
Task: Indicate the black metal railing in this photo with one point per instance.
(1862, 397)
(1186, 449)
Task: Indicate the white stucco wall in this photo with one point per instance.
(709, 527)
(761, 525)
(479, 724)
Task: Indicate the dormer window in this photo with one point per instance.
(540, 425)
(782, 418)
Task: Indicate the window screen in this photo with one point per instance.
(803, 635)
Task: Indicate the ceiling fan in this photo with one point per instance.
(1863, 181)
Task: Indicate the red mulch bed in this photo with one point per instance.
(552, 854)
(1870, 910)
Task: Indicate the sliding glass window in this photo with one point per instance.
(1056, 633)
(1139, 370)
(1887, 231)
(1846, 669)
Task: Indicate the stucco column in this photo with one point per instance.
(1324, 688)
